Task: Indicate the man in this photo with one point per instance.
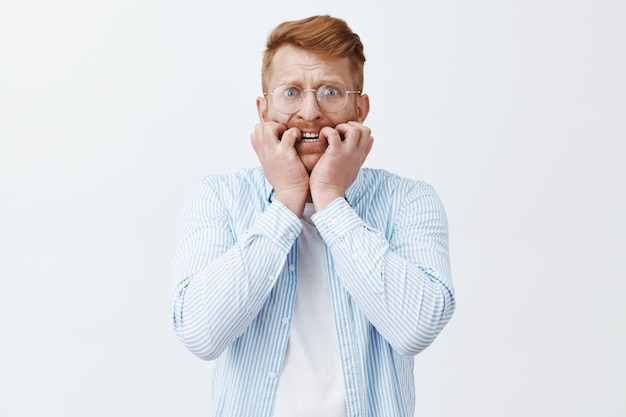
(310, 280)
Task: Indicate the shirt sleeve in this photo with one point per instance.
(400, 281)
(220, 281)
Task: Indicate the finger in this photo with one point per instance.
(362, 129)
(272, 131)
(332, 136)
(256, 136)
(363, 134)
(290, 136)
(369, 145)
(347, 131)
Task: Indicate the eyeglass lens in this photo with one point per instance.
(331, 98)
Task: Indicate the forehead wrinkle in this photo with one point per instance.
(319, 83)
(292, 66)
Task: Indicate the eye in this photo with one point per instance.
(291, 92)
(330, 91)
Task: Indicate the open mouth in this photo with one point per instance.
(310, 137)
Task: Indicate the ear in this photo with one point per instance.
(363, 107)
(261, 108)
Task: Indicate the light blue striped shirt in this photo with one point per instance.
(235, 277)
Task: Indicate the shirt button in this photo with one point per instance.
(292, 268)
(271, 278)
(272, 375)
(285, 320)
(333, 221)
(292, 236)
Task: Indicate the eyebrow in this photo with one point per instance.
(326, 81)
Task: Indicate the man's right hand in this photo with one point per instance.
(274, 145)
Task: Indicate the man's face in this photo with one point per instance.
(297, 67)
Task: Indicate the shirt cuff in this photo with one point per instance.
(278, 224)
(336, 221)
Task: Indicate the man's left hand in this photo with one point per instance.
(348, 146)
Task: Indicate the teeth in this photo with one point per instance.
(309, 137)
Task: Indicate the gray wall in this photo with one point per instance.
(111, 111)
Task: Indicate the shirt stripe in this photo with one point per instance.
(389, 275)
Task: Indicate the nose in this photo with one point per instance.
(309, 108)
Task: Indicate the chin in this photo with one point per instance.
(309, 161)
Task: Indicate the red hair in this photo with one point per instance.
(324, 36)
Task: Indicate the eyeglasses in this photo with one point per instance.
(331, 98)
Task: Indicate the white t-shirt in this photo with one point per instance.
(311, 383)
